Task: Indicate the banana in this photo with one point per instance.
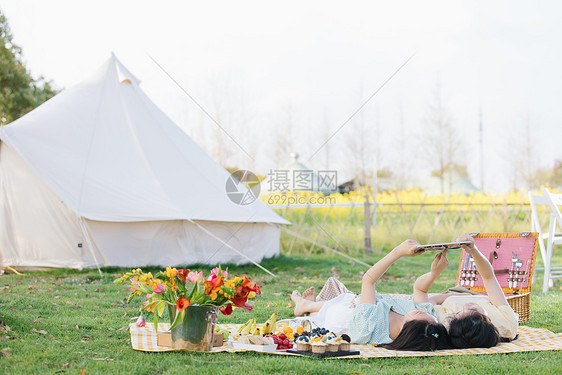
(244, 326)
(269, 325)
(256, 332)
(247, 327)
(241, 327)
(252, 325)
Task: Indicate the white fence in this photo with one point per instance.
(342, 226)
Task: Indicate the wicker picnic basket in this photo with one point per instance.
(513, 258)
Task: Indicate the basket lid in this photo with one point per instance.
(512, 256)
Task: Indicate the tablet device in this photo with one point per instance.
(441, 246)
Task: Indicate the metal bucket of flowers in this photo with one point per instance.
(192, 301)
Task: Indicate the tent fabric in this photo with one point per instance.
(37, 227)
(103, 154)
(146, 241)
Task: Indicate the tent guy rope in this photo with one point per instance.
(230, 247)
(325, 247)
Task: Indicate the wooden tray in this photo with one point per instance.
(326, 354)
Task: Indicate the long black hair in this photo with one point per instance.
(421, 335)
(474, 330)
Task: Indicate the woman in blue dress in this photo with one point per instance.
(391, 321)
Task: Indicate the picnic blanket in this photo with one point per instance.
(530, 339)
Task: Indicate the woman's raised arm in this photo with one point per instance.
(424, 282)
(493, 288)
(374, 273)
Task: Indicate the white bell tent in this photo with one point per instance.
(99, 175)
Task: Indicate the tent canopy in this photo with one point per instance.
(111, 154)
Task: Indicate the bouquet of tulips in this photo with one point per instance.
(181, 288)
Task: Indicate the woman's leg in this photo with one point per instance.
(331, 289)
(303, 306)
(309, 294)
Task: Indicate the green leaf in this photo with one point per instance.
(160, 307)
(156, 322)
(195, 290)
(181, 287)
(180, 316)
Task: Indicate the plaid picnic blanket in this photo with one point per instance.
(530, 339)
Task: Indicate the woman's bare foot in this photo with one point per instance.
(300, 303)
(309, 294)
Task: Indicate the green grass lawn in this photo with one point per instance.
(68, 321)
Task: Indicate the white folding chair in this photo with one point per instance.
(537, 202)
(553, 238)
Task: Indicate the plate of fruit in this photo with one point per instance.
(282, 341)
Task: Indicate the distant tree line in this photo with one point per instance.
(19, 91)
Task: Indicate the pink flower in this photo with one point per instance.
(194, 277)
(247, 307)
(159, 288)
(215, 273)
(140, 322)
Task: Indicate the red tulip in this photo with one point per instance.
(227, 310)
(182, 303)
(183, 274)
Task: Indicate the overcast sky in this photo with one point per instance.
(257, 66)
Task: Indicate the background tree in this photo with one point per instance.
(19, 92)
(555, 179)
(523, 155)
(551, 177)
(443, 143)
(284, 137)
(404, 159)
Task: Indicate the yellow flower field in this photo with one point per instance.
(337, 220)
